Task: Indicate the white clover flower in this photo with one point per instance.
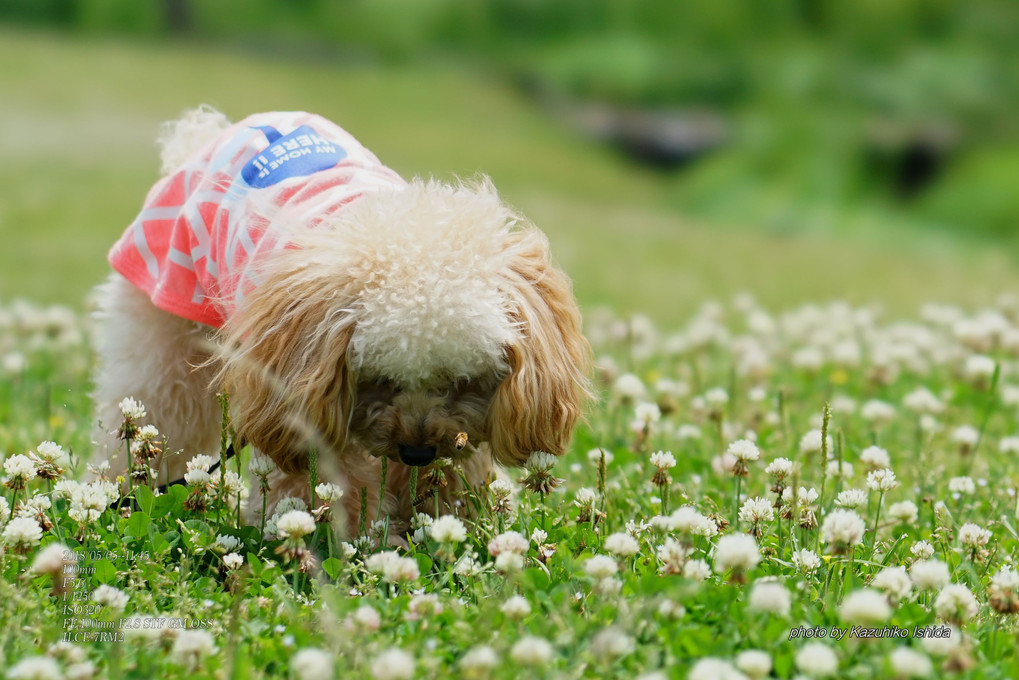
(401, 570)
(424, 604)
(1006, 578)
(710, 668)
(804, 496)
(754, 662)
(851, 498)
(663, 460)
(35, 668)
(756, 510)
(921, 400)
(600, 566)
(5, 511)
(233, 561)
(197, 477)
(966, 436)
(717, 397)
(508, 542)
(288, 503)
(817, 660)
(62, 489)
(865, 606)
(929, 574)
(922, 550)
(509, 562)
(110, 597)
(979, 367)
(193, 645)
(22, 533)
(261, 466)
(366, 618)
(51, 559)
(20, 470)
(53, 453)
(903, 511)
(962, 485)
(312, 664)
(696, 570)
(736, 551)
(894, 582)
(929, 424)
(88, 501)
(295, 524)
(200, 462)
(1009, 445)
(909, 663)
(744, 450)
(532, 651)
(611, 643)
(842, 530)
(807, 358)
(811, 442)
(83, 670)
(621, 544)
(671, 554)
(881, 480)
(780, 467)
(645, 413)
(835, 469)
(769, 597)
(877, 411)
(687, 520)
(956, 603)
(448, 529)
(942, 646)
(232, 485)
(875, 458)
(585, 497)
(478, 662)
(516, 607)
(132, 409)
(973, 536)
(687, 431)
(13, 363)
(806, 561)
(34, 506)
(330, 493)
(393, 664)
(227, 542)
(629, 387)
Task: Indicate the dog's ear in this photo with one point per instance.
(284, 365)
(537, 404)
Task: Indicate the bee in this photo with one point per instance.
(460, 441)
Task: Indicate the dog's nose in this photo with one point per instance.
(416, 455)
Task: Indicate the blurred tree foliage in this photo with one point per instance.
(906, 105)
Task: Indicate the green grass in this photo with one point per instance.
(643, 613)
(78, 118)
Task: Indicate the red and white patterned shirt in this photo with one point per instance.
(194, 246)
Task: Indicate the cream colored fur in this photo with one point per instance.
(400, 320)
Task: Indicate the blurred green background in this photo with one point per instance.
(674, 151)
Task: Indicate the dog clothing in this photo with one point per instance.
(193, 246)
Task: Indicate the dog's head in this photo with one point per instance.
(408, 318)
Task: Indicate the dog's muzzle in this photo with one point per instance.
(416, 455)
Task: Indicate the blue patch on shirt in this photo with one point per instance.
(303, 152)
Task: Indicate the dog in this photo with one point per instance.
(343, 310)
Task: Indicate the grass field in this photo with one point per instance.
(756, 480)
(755, 473)
(78, 117)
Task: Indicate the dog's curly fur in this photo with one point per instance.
(410, 315)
